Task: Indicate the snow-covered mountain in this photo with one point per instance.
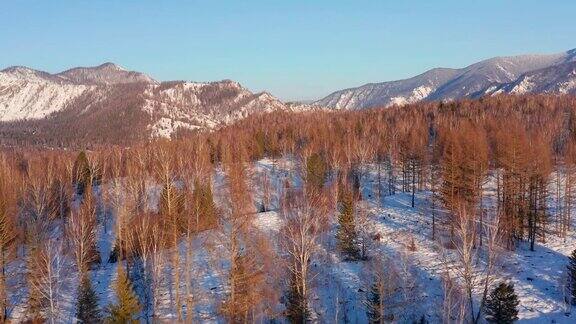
(560, 78)
(387, 93)
(494, 75)
(29, 94)
(107, 73)
(108, 94)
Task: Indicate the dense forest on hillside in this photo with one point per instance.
(138, 232)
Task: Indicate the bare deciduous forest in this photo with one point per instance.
(431, 212)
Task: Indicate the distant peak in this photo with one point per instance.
(26, 72)
(106, 73)
(18, 69)
(110, 66)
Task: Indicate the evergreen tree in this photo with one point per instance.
(316, 171)
(82, 175)
(296, 305)
(373, 305)
(354, 181)
(572, 276)
(347, 235)
(421, 320)
(87, 310)
(502, 305)
(127, 306)
(204, 202)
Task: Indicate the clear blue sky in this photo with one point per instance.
(294, 49)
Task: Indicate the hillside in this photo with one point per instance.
(108, 104)
(483, 78)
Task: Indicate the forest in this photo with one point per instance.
(434, 212)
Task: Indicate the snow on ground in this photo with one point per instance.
(538, 276)
(339, 288)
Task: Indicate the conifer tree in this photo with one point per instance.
(347, 235)
(296, 304)
(316, 171)
(572, 276)
(127, 306)
(502, 305)
(374, 305)
(87, 310)
(82, 175)
(205, 209)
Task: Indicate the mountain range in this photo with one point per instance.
(552, 73)
(108, 101)
(109, 104)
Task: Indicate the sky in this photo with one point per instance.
(296, 50)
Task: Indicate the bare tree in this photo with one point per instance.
(454, 309)
(49, 278)
(304, 220)
(476, 270)
(386, 288)
(171, 203)
(147, 234)
(81, 232)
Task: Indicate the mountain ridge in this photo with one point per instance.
(480, 78)
(157, 109)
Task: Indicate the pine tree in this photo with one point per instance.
(87, 310)
(82, 175)
(502, 305)
(127, 306)
(205, 210)
(572, 276)
(316, 171)
(347, 235)
(296, 304)
(373, 305)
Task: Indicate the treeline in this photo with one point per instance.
(55, 204)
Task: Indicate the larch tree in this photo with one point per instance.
(127, 308)
(246, 277)
(8, 230)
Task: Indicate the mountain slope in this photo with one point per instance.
(202, 105)
(559, 79)
(478, 79)
(386, 93)
(89, 103)
(29, 94)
